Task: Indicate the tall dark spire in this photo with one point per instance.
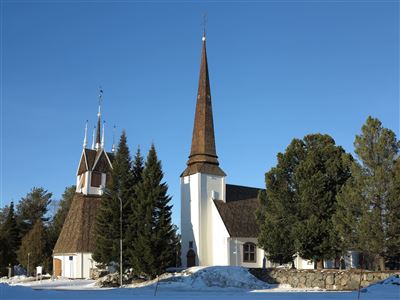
(203, 155)
(98, 129)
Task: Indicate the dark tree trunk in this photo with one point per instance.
(320, 264)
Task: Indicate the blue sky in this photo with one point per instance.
(278, 70)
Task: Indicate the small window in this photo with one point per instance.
(249, 252)
(96, 179)
(191, 245)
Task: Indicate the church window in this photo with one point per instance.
(96, 179)
(249, 252)
(190, 244)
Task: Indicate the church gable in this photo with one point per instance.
(102, 164)
(90, 158)
(83, 167)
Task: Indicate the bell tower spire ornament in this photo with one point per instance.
(113, 142)
(85, 138)
(102, 135)
(93, 136)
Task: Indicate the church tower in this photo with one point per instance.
(203, 181)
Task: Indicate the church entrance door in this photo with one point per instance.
(191, 258)
(57, 267)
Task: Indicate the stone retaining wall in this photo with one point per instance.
(329, 279)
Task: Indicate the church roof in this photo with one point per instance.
(78, 232)
(203, 155)
(239, 211)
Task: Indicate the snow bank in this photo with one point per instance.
(389, 285)
(201, 278)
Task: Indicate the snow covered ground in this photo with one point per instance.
(196, 283)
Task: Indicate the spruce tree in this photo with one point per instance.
(108, 218)
(34, 243)
(300, 200)
(32, 207)
(367, 214)
(155, 245)
(10, 235)
(134, 220)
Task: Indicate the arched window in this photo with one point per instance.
(249, 252)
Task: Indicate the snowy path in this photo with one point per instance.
(25, 293)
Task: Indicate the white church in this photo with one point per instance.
(218, 220)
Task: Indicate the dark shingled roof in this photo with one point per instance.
(90, 156)
(238, 192)
(78, 232)
(239, 211)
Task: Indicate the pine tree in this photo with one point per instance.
(108, 218)
(32, 207)
(10, 235)
(34, 243)
(368, 205)
(58, 219)
(299, 201)
(155, 245)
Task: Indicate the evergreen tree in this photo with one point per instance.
(176, 241)
(3, 259)
(155, 245)
(368, 206)
(108, 218)
(34, 243)
(32, 207)
(300, 200)
(9, 233)
(134, 220)
(393, 221)
(4, 214)
(59, 218)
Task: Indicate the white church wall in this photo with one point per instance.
(211, 185)
(68, 266)
(190, 215)
(236, 253)
(196, 201)
(220, 249)
(76, 265)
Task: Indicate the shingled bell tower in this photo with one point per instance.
(202, 181)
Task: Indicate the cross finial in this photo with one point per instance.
(204, 27)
